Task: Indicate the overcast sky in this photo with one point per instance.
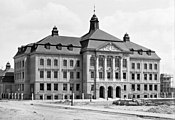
(149, 23)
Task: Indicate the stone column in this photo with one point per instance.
(22, 96)
(83, 96)
(121, 69)
(53, 96)
(96, 68)
(105, 68)
(113, 68)
(43, 96)
(32, 96)
(12, 95)
(15, 95)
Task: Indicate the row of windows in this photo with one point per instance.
(19, 64)
(137, 87)
(55, 74)
(55, 62)
(55, 87)
(145, 96)
(133, 66)
(20, 87)
(19, 75)
(109, 61)
(109, 75)
(138, 76)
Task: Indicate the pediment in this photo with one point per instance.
(110, 47)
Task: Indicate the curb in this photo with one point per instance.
(112, 111)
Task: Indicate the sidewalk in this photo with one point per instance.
(112, 111)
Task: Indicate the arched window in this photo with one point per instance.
(49, 62)
(47, 45)
(41, 61)
(92, 61)
(59, 46)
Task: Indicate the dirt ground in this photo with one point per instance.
(27, 110)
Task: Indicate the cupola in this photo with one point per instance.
(126, 37)
(8, 66)
(54, 31)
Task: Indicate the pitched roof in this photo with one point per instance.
(99, 35)
(54, 40)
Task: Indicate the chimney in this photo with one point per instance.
(126, 37)
(54, 31)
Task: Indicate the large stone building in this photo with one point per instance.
(6, 81)
(166, 89)
(96, 64)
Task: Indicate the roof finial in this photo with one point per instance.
(94, 9)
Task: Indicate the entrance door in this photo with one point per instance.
(118, 92)
(102, 92)
(110, 92)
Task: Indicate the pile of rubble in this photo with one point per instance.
(162, 109)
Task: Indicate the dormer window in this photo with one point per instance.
(23, 48)
(132, 50)
(70, 47)
(19, 49)
(34, 47)
(47, 45)
(59, 46)
(140, 52)
(148, 52)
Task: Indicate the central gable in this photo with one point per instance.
(109, 47)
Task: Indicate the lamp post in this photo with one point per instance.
(72, 99)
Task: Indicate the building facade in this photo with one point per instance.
(166, 89)
(96, 65)
(6, 81)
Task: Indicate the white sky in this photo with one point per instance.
(149, 23)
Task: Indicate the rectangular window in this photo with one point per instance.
(155, 87)
(124, 75)
(65, 87)
(116, 75)
(133, 76)
(109, 62)
(71, 75)
(78, 63)
(55, 74)
(48, 74)
(77, 87)
(133, 87)
(41, 86)
(155, 66)
(124, 87)
(145, 87)
(92, 74)
(145, 76)
(138, 96)
(150, 66)
(117, 62)
(138, 65)
(41, 61)
(150, 87)
(138, 87)
(71, 86)
(78, 75)
(138, 76)
(92, 87)
(56, 87)
(71, 63)
(92, 61)
(133, 65)
(55, 62)
(48, 86)
(155, 76)
(22, 75)
(23, 63)
(64, 74)
(145, 66)
(125, 63)
(109, 75)
(150, 76)
(100, 75)
(41, 74)
(65, 63)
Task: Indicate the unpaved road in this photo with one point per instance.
(27, 110)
